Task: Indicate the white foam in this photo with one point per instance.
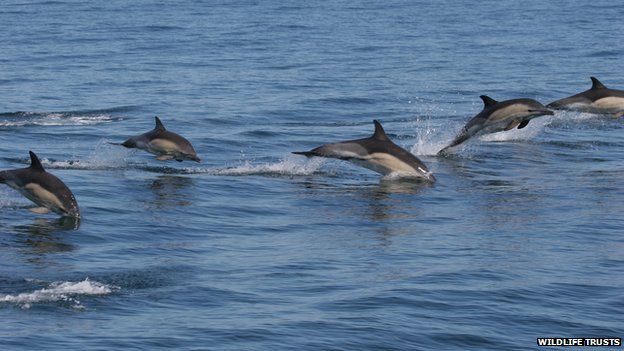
(60, 291)
(58, 119)
(575, 115)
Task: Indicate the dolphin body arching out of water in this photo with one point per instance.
(597, 99)
(42, 188)
(164, 144)
(497, 117)
(377, 153)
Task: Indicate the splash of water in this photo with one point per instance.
(431, 137)
(105, 156)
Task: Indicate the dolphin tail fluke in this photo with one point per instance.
(305, 153)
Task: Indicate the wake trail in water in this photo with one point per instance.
(69, 118)
(107, 157)
(60, 291)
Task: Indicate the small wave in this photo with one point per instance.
(60, 291)
(78, 118)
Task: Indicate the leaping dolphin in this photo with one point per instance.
(377, 153)
(499, 116)
(597, 99)
(42, 188)
(164, 144)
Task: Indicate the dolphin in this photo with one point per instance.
(377, 153)
(42, 188)
(164, 144)
(499, 116)
(597, 99)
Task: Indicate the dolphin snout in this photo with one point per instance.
(430, 177)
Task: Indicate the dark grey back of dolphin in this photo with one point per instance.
(360, 149)
(36, 174)
(596, 92)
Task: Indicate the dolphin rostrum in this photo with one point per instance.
(164, 144)
(597, 99)
(377, 153)
(499, 116)
(42, 188)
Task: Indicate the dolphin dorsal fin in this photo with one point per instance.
(488, 101)
(159, 125)
(35, 163)
(596, 83)
(380, 134)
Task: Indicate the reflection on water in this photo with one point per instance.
(389, 208)
(403, 186)
(170, 191)
(386, 200)
(44, 236)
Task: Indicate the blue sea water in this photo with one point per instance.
(522, 236)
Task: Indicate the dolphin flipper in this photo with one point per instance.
(523, 124)
(513, 124)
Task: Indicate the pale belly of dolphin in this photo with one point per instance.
(609, 104)
(386, 164)
(163, 147)
(37, 194)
